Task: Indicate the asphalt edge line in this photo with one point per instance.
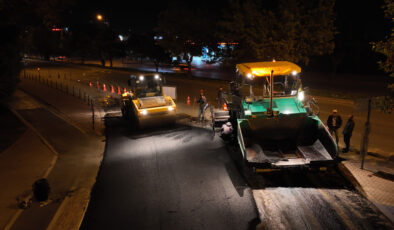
(13, 219)
(51, 108)
(81, 191)
(35, 131)
(349, 176)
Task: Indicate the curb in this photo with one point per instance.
(349, 176)
(35, 131)
(14, 218)
(70, 213)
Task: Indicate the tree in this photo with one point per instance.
(144, 45)
(387, 47)
(184, 32)
(17, 17)
(289, 30)
(106, 44)
(79, 41)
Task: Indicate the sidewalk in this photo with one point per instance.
(378, 189)
(65, 123)
(26, 161)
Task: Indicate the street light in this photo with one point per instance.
(99, 17)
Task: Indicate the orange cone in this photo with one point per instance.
(119, 90)
(104, 87)
(225, 107)
(124, 90)
(188, 100)
(112, 89)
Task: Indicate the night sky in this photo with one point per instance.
(139, 15)
(358, 23)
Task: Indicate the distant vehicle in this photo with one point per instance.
(61, 58)
(180, 66)
(274, 126)
(146, 103)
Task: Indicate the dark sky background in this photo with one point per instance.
(138, 15)
(358, 23)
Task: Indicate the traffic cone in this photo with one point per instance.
(112, 89)
(225, 107)
(98, 85)
(124, 90)
(104, 87)
(188, 100)
(119, 90)
(90, 84)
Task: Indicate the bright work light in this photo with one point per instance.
(301, 96)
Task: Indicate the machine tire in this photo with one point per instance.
(123, 113)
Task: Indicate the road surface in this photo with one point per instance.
(179, 178)
(182, 178)
(382, 125)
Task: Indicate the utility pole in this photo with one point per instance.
(91, 103)
(271, 111)
(365, 139)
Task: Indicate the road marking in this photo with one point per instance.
(35, 131)
(55, 112)
(14, 218)
(52, 164)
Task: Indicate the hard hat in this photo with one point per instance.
(335, 111)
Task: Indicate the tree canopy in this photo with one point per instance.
(185, 31)
(17, 17)
(386, 47)
(289, 30)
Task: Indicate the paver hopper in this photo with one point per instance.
(274, 126)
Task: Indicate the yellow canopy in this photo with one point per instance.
(263, 69)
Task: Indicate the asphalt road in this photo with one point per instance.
(176, 178)
(312, 200)
(182, 178)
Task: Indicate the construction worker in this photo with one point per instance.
(347, 132)
(334, 122)
(203, 105)
(220, 97)
(226, 131)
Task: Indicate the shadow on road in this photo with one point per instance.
(332, 178)
(132, 132)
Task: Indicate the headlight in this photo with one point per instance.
(294, 73)
(144, 112)
(301, 96)
(170, 108)
(248, 112)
